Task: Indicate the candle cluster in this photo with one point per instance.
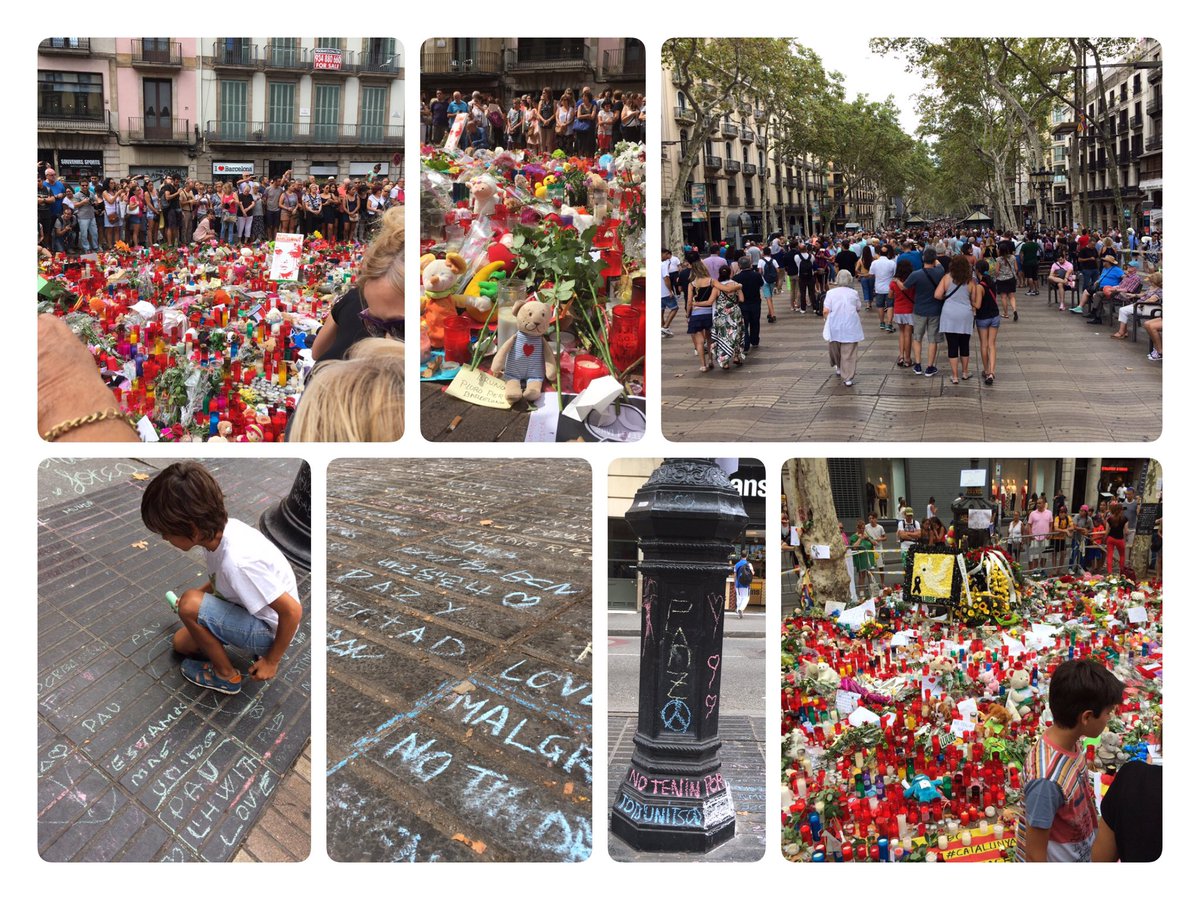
(199, 340)
(905, 739)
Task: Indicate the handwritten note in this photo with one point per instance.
(478, 387)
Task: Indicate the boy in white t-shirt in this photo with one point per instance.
(250, 600)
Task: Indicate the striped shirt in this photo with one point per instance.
(1058, 797)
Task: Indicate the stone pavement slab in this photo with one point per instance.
(134, 762)
(743, 759)
(1056, 379)
(459, 704)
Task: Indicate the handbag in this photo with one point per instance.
(112, 218)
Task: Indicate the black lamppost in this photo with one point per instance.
(687, 517)
(1041, 180)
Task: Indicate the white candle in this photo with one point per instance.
(858, 758)
(998, 831)
(943, 842)
(506, 324)
(965, 838)
(990, 811)
(819, 806)
(907, 843)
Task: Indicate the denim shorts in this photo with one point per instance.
(993, 322)
(670, 303)
(232, 624)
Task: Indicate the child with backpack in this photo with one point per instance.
(743, 578)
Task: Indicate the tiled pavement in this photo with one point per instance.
(1057, 379)
(134, 762)
(743, 757)
(459, 661)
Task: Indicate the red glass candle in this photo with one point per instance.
(587, 369)
(458, 339)
(623, 338)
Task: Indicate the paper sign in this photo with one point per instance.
(858, 615)
(834, 606)
(820, 551)
(979, 518)
(285, 261)
(968, 708)
(903, 638)
(928, 683)
(862, 716)
(794, 537)
(146, 431)
(847, 702)
(962, 728)
(1136, 614)
(543, 421)
(478, 387)
(456, 130)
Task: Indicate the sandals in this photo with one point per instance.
(966, 376)
(1117, 337)
(770, 319)
(202, 674)
(988, 379)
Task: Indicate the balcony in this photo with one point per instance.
(1136, 122)
(732, 199)
(309, 133)
(684, 115)
(1123, 158)
(66, 46)
(618, 64)
(760, 139)
(1153, 145)
(1154, 105)
(749, 168)
(565, 58)
(49, 121)
(747, 135)
(732, 165)
(728, 129)
(712, 162)
(760, 114)
(157, 130)
(283, 56)
(233, 54)
(149, 53)
(374, 62)
(1154, 76)
(444, 62)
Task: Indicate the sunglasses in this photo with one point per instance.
(377, 327)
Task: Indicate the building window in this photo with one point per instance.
(327, 101)
(156, 94)
(281, 105)
(372, 118)
(330, 43)
(285, 51)
(380, 53)
(232, 110)
(71, 95)
(680, 100)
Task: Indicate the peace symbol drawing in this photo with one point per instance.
(676, 716)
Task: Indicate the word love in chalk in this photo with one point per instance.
(693, 788)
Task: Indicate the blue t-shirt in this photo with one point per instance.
(913, 256)
(1111, 277)
(454, 107)
(924, 282)
(57, 189)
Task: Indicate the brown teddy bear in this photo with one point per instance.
(438, 277)
(528, 356)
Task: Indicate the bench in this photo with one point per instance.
(1143, 312)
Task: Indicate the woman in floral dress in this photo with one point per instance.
(727, 327)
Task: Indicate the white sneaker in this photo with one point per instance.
(850, 382)
(667, 332)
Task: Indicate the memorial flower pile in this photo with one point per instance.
(198, 341)
(904, 737)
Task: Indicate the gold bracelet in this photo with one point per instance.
(103, 415)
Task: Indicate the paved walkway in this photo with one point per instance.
(134, 762)
(460, 662)
(1057, 379)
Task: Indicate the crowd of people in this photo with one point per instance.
(98, 213)
(580, 125)
(1044, 535)
(930, 288)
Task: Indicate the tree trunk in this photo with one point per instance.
(1139, 552)
(1110, 140)
(830, 579)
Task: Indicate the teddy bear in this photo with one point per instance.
(528, 355)
(1110, 754)
(484, 192)
(922, 790)
(824, 675)
(1020, 694)
(438, 277)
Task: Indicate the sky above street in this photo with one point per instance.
(868, 73)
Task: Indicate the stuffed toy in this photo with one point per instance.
(1020, 694)
(824, 675)
(922, 789)
(438, 277)
(484, 192)
(528, 356)
(853, 686)
(1110, 754)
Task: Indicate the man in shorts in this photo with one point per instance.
(927, 312)
(670, 306)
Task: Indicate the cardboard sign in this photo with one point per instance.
(820, 551)
(285, 261)
(979, 518)
(478, 387)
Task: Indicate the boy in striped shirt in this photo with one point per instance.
(1058, 817)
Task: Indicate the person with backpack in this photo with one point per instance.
(1030, 252)
(806, 265)
(987, 322)
(769, 270)
(786, 257)
(743, 578)
(1005, 273)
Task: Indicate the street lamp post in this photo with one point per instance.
(673, 797)
(1041, 178)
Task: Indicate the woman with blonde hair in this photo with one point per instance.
(374, 307)
(360, 398)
